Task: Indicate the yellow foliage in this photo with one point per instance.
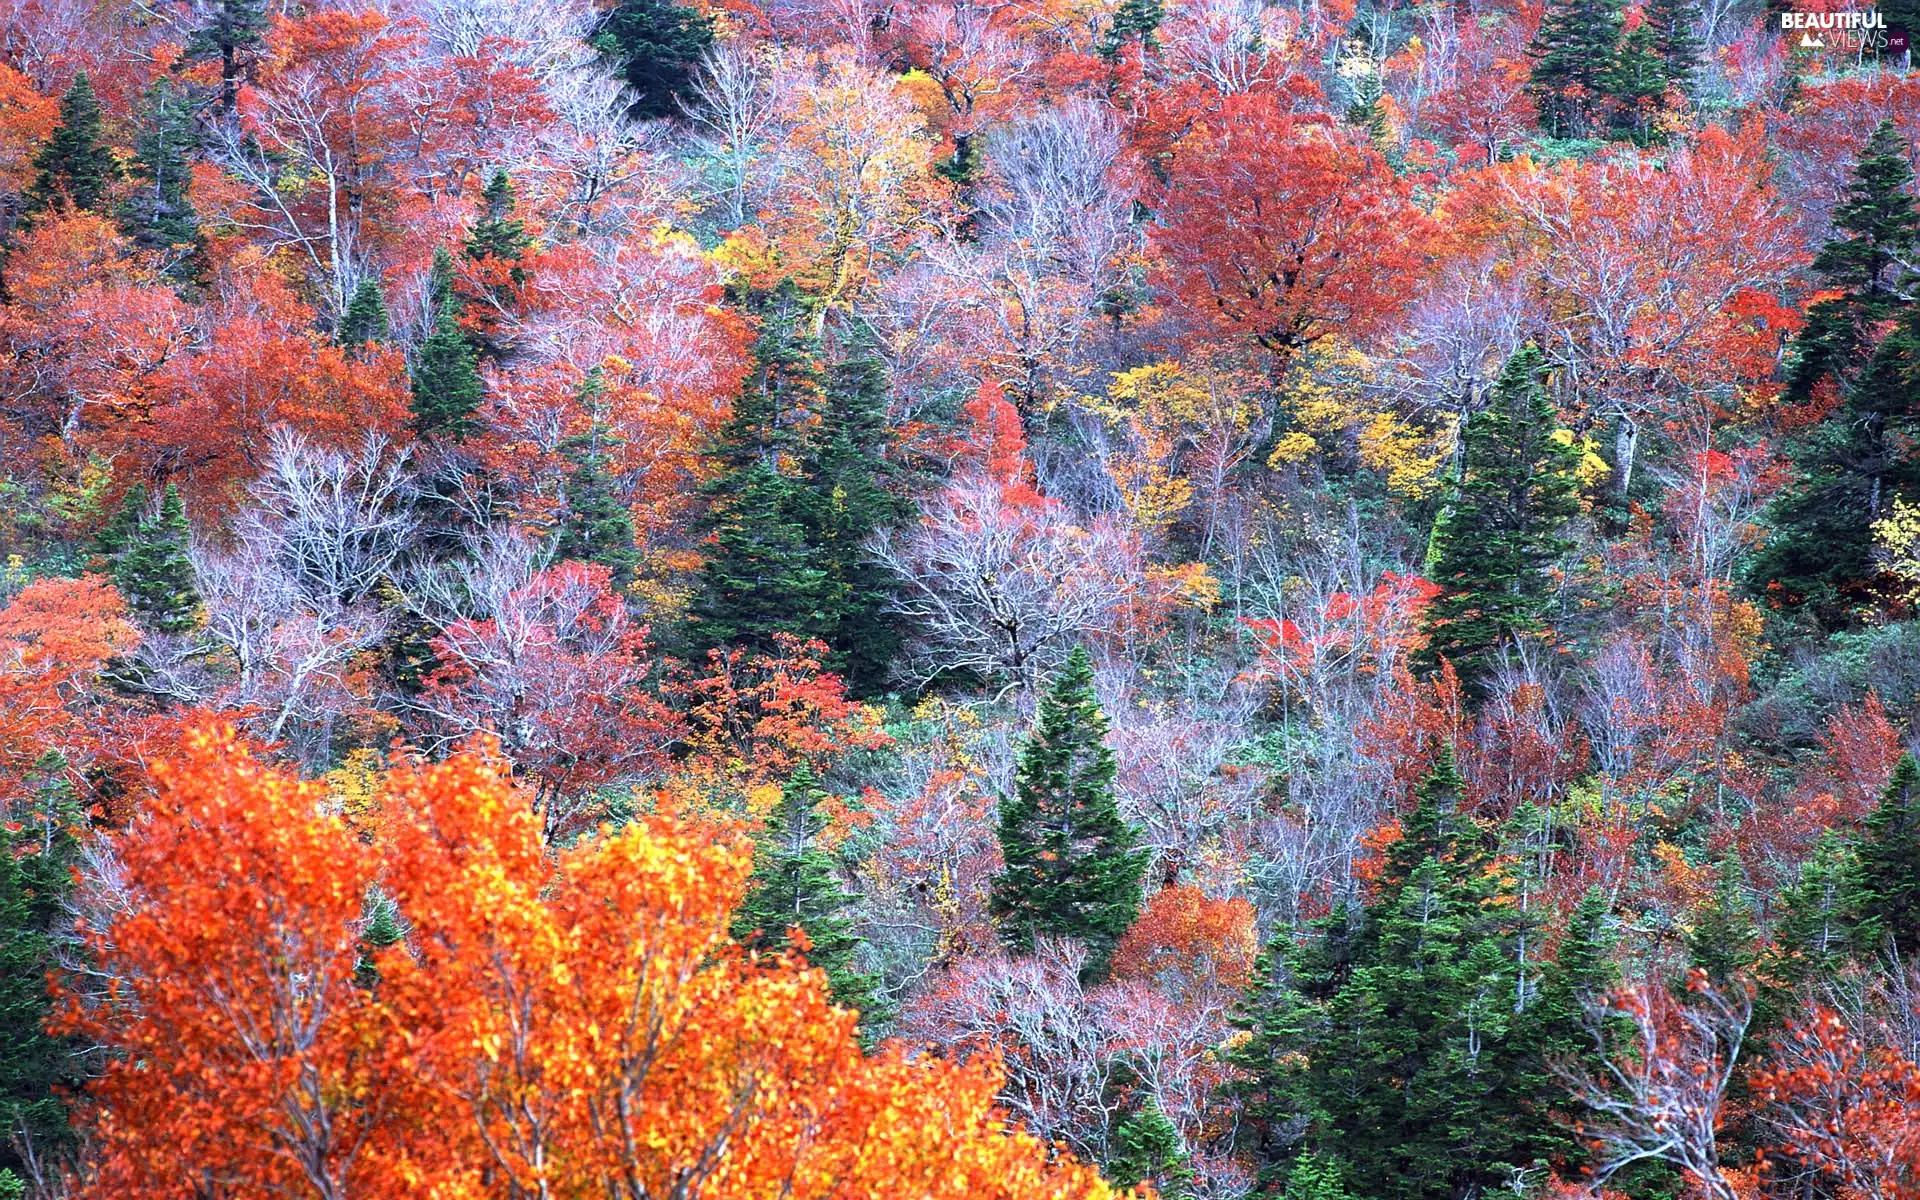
(355, 786)
(1896, 538)
(1333, 411)
(1180, 419)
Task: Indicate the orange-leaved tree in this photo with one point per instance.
(570, 1024)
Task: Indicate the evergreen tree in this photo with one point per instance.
(1723, 941)
(1518, 486)
(382, 930)
(366, 317)
(158, 215)
(1134, 19)
(1147, 1149)
(598, 527)
(74, 168)
(1366, 110)
(794, 885)
(846, 504)
(1553, 1026)
(1817, 924)
(232, 33)
(123, 528)
(1876, 230)
(36, 879)
(1637, 85)
(1073, 868)
(1819, 558)
(1317, 1177)
(154, 573)
(1573, 64)
(498, 234)
(447, 387)
(1885, 891)
(658, 44)
(1673, 23)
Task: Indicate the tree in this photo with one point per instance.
(1501, 529)
(158, 215)
(598, 527)
(1674, 39)
(795, 886)
(1148, 1149)
(1574, 64)
(366, 317)
(233, 30)
(1072, 867)
(496, 247)
(1134, 20)
(1885, 890)
(567, 1021)
(155, 574)
(74, 168)
(447, 387)
(657, 44)
(36, 884)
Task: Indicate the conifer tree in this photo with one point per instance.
(366, 317)
(154, 573)
(1134, 19)
(36, 879)
(598, 527)
(846, 503)
(1875, 232)
(1573, 64)
(447, 387)
(1317, 1177)
(497, 233)
(1637, 84)
(1673, 23)
(233, 31)
(1518, 487)
(123, 528)
(1552, 1029)
(1367, 110)
(1073, 867)
(158, 215)
(73, 168)
(1148, 1149)
(1723, 941)
(658, 44)
(794, 886)
(1885, 892)
(1817, 925)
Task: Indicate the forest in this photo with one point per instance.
(938, 599)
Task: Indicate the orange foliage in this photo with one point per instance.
(571, 1025)
(1184, 933)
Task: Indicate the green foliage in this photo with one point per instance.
(497, 233)
(1672, 22)
(232, 31)
(1134, 20)
(1317, 1177)
(447, 387)
(761, 576)
(1147, 1149)
(1073, 866)
(1573, 64)
(1885, 893)
(794, 886)
(598, 527)
(36, 879)
(1724, 941)
(152, 570)
(366, 317)
(1501, 531)
(658, 45)
(158, 215)
(74, 167)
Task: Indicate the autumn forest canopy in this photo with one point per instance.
(951, 599)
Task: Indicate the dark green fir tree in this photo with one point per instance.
(232, 34)
(1135, 21)
(366, 317)
(1885, 891)
(658, 45)
(1073, 863)
(122, 529)
(74, 167)
(497, 233)
(447, 387)
(597, 527)
(1673, 23)
(794, 885)
(158, 214)
(1317, 1177)
(1518, 487)
(1573, 65)
(1723, 941)
(1638, 86)
(38, 1070)
(154, 574)
(1148, 1149)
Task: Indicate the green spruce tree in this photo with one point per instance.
(1573, 65)
(447, 387)
(1518, 487)
(154, 573)
(233, 33)
(1134, 21)
(74, 168)
(598, 527)
(38, 1070)
(1637, 86)
(794, 885)
(1148, 1149)
(158, 215)
(366, 317)
(1885, 889)
(1073, 863)
(1673, 23)
(658, 45)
